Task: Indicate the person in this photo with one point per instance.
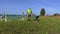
(29, 12)
(22, 15)
(36, 17)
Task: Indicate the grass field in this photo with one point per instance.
(49, 25)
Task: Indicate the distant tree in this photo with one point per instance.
(56, 14)
(42, 13)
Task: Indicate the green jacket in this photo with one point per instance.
(29, 11)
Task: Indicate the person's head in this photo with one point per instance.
(29, 8)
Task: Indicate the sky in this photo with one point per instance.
(19, 6)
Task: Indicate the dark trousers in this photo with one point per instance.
(36, 17)
(29, 15)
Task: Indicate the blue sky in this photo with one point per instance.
(19, 6)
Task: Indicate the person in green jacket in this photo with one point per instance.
(29, 12)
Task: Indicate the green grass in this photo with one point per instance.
(44, 26)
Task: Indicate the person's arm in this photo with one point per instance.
(27, 12)
(31, 13)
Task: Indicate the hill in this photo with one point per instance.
(44, 26)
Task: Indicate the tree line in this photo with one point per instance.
(42, 13)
